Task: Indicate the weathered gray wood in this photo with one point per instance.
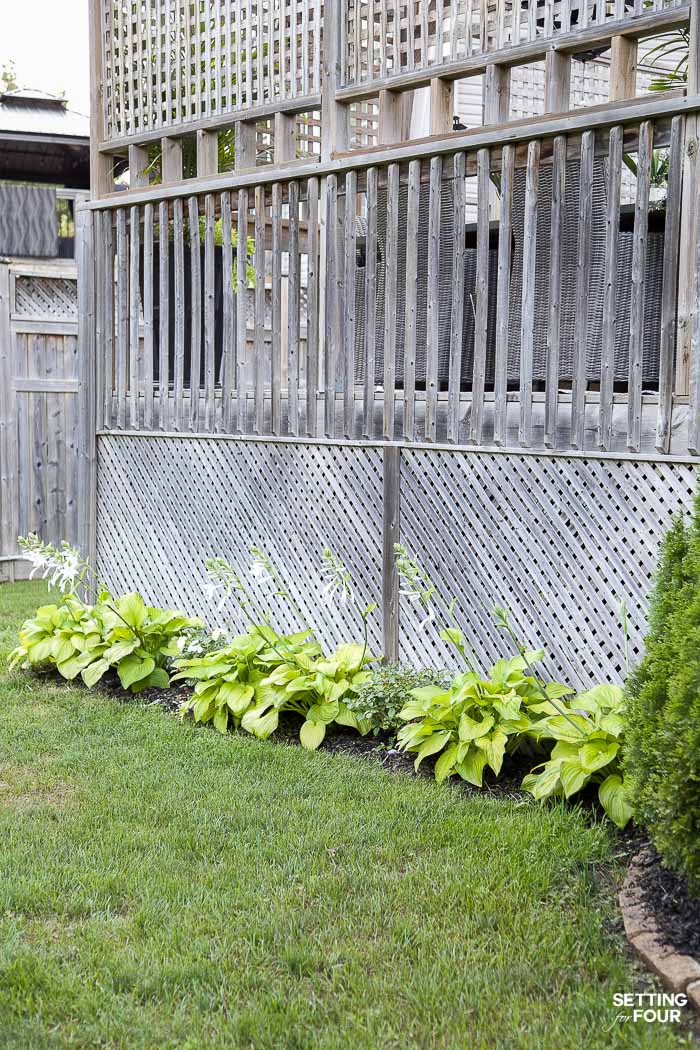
(554, 327)
(148, 342)
(496, 94)
(276, 307)
(669, 293)
(86, 482)
(207, 152)
(391, 535)
(370, 303)
(391, 263)
(244, 144)
(441, 106)
(171, 160)
(100, 291)
(312, 300)
(242, 332)
(228, 380)
(122, 317)
(179, 287)
(527, 323)
(638, 294)
(411, 319)
(457, 310)
(503, 296)
(482, 295)
(332, 334)
(9, 467)
(259, 322)
(557, 82)
(349, 318)
(196, 311)
(433, 318)
(165, 419)
(582, 282)
(623, 68)
(607, 363)
(293, 312)
(209, 314)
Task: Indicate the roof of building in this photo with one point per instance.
(28, 112)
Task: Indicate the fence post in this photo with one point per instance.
(391, 534)
(689, 217)
(9, 492)
(87, 400)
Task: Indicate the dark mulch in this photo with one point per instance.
(666, 894)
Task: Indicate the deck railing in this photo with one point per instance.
(549, 321)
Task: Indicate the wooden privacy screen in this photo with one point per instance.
(523, 530)
(373, 303)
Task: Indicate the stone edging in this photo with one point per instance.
(680, 973)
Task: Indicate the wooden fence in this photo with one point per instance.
(472, 341)
(40, 416)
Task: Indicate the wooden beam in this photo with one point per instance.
(496, 94)
(623, 68)
(101, 164)
(689, 214)
(441, 106)
(557, 82)
(207, 153)
(335, 115)
(285, 137)
(244, 137)
(171, 160)
(138, 163)
(390, 117)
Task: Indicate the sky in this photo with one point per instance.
(48, 42)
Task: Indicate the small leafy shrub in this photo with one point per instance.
(387, 691)
(474, 722)
(588, 748)
(662, 755)
(88, 640)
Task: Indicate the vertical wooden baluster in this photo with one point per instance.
(122, 317)
(500, 387)
(209, 315)
(242, 311)
(293, 311)
(411, 317)
(107, 392)
(349, 318)
(527, 323)
(638, 294)
(670, 286)
(179, 288)
(259, 318)
(370, 303)
(276, 334)
(196, 311)
(134, 310)
(228, 348)
(607, 363)
(99, 219)
(332, 333)
(148, 341)
(433, 317)
(551, 404)
(312, 301)
(482, 296)
(583, 272)
(164, 421)
(457, 313)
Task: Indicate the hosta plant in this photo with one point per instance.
(473, 723)
(588, 748)
(84, 640)
(236, 678)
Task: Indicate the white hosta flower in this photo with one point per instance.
(218, 633)
(430, 618)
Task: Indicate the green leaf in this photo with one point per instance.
(92, 674)
(445, 763)
(573, 777)
(236, 695)
(261, 723)
(432, 745)
(132, 609)
(133, 668)
(221, 719)
(613, 799)
(471, 729)
(494, 746)
(471, 768)
(544, 784)
(311, 735)
(596, 754)
(157, 679)
(455, 637)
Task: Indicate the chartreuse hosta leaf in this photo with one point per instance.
(87, 640)
(474, 723)
(258, 676)
(588, 749)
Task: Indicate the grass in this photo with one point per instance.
(163, 886)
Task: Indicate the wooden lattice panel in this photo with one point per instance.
(560, 541)
(388, 37)
(165, 504)
(49, 298)
(168, 62)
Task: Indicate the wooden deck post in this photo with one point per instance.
(689, 214)
(9, 490)
(100, 163)
(441, 106)
(87, 452)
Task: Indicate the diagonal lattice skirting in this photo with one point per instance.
(560, 540)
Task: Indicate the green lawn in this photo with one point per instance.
(162, 886)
